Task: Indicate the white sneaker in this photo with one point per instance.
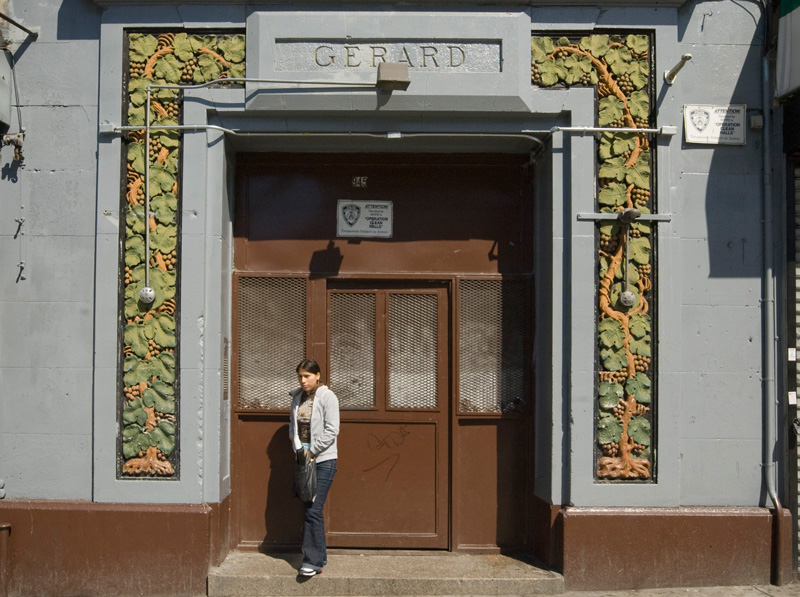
(308, 571)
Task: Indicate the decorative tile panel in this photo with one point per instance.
(150, 339)
(620, 69)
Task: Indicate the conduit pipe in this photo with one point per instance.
(608, 129)
(769, 333)
(530, 135)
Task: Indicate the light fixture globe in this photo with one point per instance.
(147, 295)
(627, 298)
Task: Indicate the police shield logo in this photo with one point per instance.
(351, 213)
(700, 119)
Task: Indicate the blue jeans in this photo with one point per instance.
(315, 554)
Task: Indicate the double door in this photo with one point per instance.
(425, 337)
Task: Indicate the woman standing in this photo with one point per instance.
(313, 427)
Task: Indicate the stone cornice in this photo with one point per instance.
(411, 3)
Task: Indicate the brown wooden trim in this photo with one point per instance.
(317, 338)
(86, 548)
(690, 546)
(478, 549)
(345, 281)
(547, 532)
(5, 533)
(260, 160)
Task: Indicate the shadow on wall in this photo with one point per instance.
(283, 512)
(720, 187)
(78, 19)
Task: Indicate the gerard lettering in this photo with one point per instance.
(457, 56)
(378, 52)
(406, 58)
(326, 60)
(429, 56)
(351, 56)
(429, 52)
(448, 56)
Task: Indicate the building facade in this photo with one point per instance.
(539, 250)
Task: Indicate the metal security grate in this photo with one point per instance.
(352, 348)
(412, 326)
(492, 326)
(272, 340)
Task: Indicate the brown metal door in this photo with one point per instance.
(424, 336)
(388, 360)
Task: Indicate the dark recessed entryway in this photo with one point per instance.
(425, 335)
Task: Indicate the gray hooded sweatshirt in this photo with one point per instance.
(324, 423)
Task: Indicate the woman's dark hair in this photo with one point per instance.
(309, 365)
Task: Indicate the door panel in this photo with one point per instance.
(450, 214)
(268, 516)
(389, 361)
(492, 460)
(387, 489)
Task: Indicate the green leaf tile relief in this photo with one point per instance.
(148, 411)
(619, 69)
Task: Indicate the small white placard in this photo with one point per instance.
(715, 125)
(793, 398)
(364, 219)
(792, 355)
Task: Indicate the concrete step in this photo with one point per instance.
(383, 573)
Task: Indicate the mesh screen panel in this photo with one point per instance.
(272, 340)
(352, 349)
(492, 326)
(412, 355)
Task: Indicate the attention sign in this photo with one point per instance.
(364, 219)
(715, 125)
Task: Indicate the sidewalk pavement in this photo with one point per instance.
(789, 590)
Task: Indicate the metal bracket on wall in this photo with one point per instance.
(16, 140)
(32, 34)
(667, 130)
(584, 217)
(626, 217)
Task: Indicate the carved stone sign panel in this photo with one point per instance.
(456, 62)
(440, 56)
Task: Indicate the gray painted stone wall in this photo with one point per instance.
(47, 312)
(58, 326)
(718, 196)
